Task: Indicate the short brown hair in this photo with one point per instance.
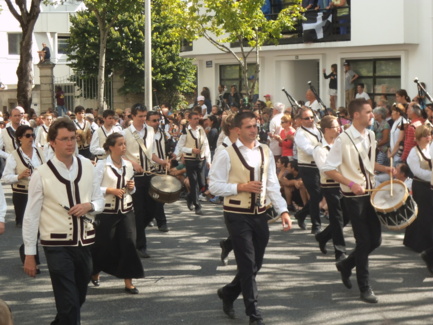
(422, 131)
(356, 105)
(60, 123)
(326, 122)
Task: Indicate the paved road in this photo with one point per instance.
(297, 285)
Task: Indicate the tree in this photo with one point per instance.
(243, 22)
(172, 74)
(27, 19)
(108, 13)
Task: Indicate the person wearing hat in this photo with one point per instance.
(349, 87)
(200, 102)
(268, 101)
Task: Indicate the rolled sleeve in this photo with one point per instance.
(219, 175)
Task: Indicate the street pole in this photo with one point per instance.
(147, 56)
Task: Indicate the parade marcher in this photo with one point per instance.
(159, 158)
(114, 249)
(419, 234)
(100, 135)
(306, 138)
(42, 134)
(331, 191)
(351, 162)
(139, 151)
(427, 254)
(3, 209)
(83, 132)
(194, 146)
(7, 135)
(62, 194)
(245, 174)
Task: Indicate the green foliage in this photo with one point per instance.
(171, 74)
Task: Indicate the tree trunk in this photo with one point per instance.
(103, 34)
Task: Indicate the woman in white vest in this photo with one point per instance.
(41, 136)
(18, 169)
(397, 132)
(419, 235)
(114, 249)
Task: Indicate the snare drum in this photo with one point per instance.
(395, 212)
(165, 188)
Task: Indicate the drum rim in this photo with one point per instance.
(395, 207)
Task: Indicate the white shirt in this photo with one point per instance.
(335, 157)
(41, 130)
(94, 144)
(275, 128)
(4, 154)
(414, 164)
(362, 95)
(10, 173)
(395, 132)
(320, 153)
(100, 170)
(180, 147)
(315, 106)
(3, 205)
(303, 143)
(36, 199)
(219, 175)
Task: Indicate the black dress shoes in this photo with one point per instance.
(322, 244)
(96, 282)
(316, 230)
(132, 291)
(368, 296)
(345, 274)
(163, 228)
(189, 203)
(227, 305)
(301, 220)
(256, 322)
(224, 253)
(340, 257)
(143, 253)
(427, 261)
(198, 211)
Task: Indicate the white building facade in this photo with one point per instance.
(390, 43)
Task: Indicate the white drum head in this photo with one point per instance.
(383, 200)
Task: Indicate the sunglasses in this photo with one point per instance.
(155, 120)
(308, 118)
(28, 135)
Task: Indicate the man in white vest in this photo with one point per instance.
(244, 174)
(101, 134)
(194, 147)
(351, 162)
(62, 194)
(307, 137)
(7, 135)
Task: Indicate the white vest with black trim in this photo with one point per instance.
(354, 164)
(85, 130)
(56, 227)
(134, 151)
(193, 142)
(102, 137)
(159, 149)
(241, 172)
(112, 178)
(424, 162)
(23, 184)
(9, 142)
(43, 139)
(304, 159)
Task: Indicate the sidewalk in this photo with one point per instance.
(297, 284)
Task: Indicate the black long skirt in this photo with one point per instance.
(419, 235)
(114, 249)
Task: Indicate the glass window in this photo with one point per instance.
(232, 75)
(382, 77)
(62, 44)
(14, 40)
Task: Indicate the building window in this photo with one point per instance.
(232, 75)
(62, 44)
(381, 77)
(14, 40)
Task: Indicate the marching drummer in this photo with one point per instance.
(354, 170)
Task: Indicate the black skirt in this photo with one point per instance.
(114, 249)
(419, 235)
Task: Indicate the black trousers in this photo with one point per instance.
(367, 231)
(194, 171)
(19, 201)
(70, 269)
(249, 236)
(337, 221)
(311, 179)
(144, 208)
(160, 216)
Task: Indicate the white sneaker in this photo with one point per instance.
(202, 198)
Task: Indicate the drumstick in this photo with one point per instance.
(390, 176)
(166, 167)
(376, 190)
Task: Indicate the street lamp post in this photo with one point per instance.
(147, 55)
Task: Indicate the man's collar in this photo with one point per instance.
(239, 144)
